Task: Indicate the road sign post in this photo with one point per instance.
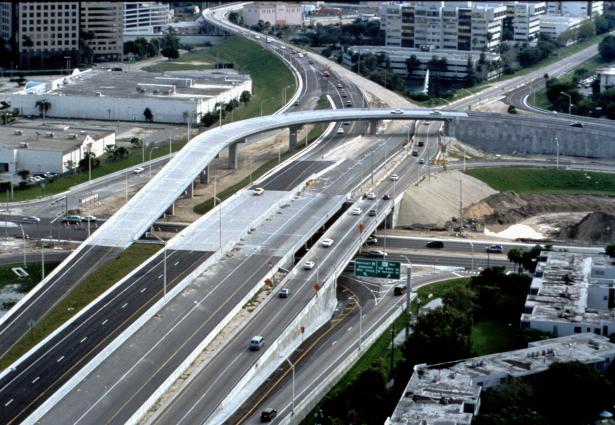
(365, 267)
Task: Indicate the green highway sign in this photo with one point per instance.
(366, 267)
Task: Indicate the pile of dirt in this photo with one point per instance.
(510, 207)
(597, 227)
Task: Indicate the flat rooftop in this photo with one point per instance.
(167, 85)
(63, 139)
(409, 51)
(606, 71)
(450, 394)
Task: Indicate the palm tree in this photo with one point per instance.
(43, 106)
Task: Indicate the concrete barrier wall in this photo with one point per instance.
(507, 134)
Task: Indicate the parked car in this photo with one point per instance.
(308, 265)
(71, 219)
(268, 414)
(435, 244)
(50, 174)
(327, 242)
(495, 249)
(284, 293)
(356, 211)
(89, 218)
(30, 219)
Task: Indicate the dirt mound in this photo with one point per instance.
(510, 207)
(595, 227)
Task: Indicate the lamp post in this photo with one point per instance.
(150, 159)
(263, 101)
(408, 134)
(285, 92)
(292, 368)
(164, 267)
(472, 264)
(556, 153)
(569, 102)
(360, 321)
(23, 236)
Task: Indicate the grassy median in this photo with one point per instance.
(544, 181)
(8, 278)
(84, 293)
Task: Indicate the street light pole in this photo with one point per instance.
(23, 236)
(569, 102)
(292, 368)
(556, 153)
(360, 321)
(150, 159)
(164, 267)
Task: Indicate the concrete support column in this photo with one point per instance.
(449, 128)
(204, 176)
(190, 190)
(170, 211)
(373, 127)
(232, 156)
(292, 138)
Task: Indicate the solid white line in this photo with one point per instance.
(160, 277)
(124, 306)
(36, 379)
(104, 321)
(8, 402)
(143, 290)
(83, 340)
(60, 359)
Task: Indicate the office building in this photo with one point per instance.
(41, 34)
(526, 20)
(451, 395)
(607, 78)
(105, 19)
(581, 9)
(276, 13)
(572, 293)
(146, 18)
(443, 25)
(555, 25)
(172, 97)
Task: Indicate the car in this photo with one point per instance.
(397, 111)
(340, 130)
(435, 244)
(377, 253)
(495, 249)
(284, 293)
(30, 219)
(268, 414)
(421, 144)
(344, 94)
(309, 265)
(577, 124)
(371, 196)
(425, 122)
(436, 113)
(348, 103)
(356, 211)
(372, 213)
(386, 197)
(415, 153)
(296, 103)
(37, 179)
(399, 290)
(421, 161)
(311, 62)
(346, 123)
(394, 177)
(339, 85)
(71, 219)
(372, 240)
(50, 174)
(138, 170)
(256, 343)
(40, 176)
(88, 218)
(259, 191)
(327, 242)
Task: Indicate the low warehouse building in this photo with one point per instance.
(40, 150)
(171, 97)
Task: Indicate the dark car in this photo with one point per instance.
(377, 254)
(372, 213)
(399, 290)
(577, 124)
(495, 249)
(415, 153)
(71, 219)
(296, 103)
(421, 144)
(268, 414)
(386, 197)
(435, 244)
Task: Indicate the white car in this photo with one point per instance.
(394, 177)
(259, 191)
(30, 219)
(340, 130)
(138, 170)
(436, 113)
(371, 196)
(356, 211)
(327, 242)
(308, 265)
(397, 111)
(89, 218)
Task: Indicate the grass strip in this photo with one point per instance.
(547, 181)
(83, 294)
(22, 284)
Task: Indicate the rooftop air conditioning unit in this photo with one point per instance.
(98, 93)
(72, 136)
(18, 132)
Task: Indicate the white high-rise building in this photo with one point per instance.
(579, 9)
(526, 20)
(146, 18)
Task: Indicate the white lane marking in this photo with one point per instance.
(349, 329)
(36, 379)
(124, 306)
(143, 290)
(104, 321)
(8, 402)
(60, 359)
(160, 277)
(457, 274)
(334, 342)
(176, 263)
(83, 340)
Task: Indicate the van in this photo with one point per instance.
(256, 343)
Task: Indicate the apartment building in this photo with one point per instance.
(146, 18)
(106, 20)
(276, 13)
(444, 25)
(554, 25)
(580, 9)
(38, 31)
(526, 20)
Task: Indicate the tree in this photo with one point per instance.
(170, 39)
(208, 119)
(70, 164)
(135, 141)
(461, 298)
(43, 106)
(170, 53)
(607, 48)
(89, 159)
(245, 96)
(412, 64)
(23, 174)
(149, 116)
(586, 30)
(610, 250)
(602, 24)
(512, 109)
(515, 255)
(86, 52)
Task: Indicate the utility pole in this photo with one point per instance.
(408, 298)
(460, 207)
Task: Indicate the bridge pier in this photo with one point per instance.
(204, 176)
(169, 211)
(232, 156)
(190, 190)
(449, 128)
(373, 127)
(292, 137)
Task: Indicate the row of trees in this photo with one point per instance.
(211, 118)
(141, 48)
